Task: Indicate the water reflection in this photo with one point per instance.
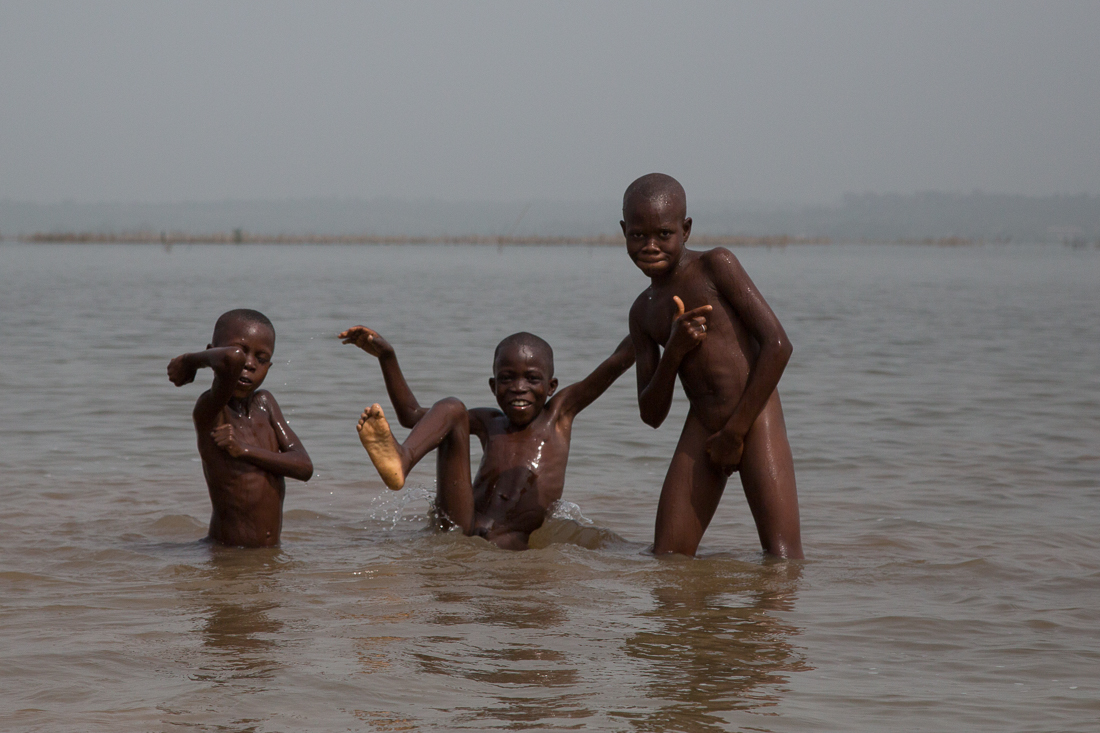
(712, 646)
(511, 641)
(236, 590)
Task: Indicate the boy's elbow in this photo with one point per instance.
(785, 350)
(651, 419)
(307, 471)
(233, 361)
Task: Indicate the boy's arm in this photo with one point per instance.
(656, 370)
(738, 289)
(290, 460)
(408, 409)
(576, 397)
(227, 363)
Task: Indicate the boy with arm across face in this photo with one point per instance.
(728, 349)
(525, 441)
(246, 445)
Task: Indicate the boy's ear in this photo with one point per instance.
(687, 227)
(493, 385)
(622, 224)
(553, 387)
(210, 346)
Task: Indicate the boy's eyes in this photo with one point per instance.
(509, 377)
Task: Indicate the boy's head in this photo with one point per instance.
(253, 334)
(523, 376)
(655, 223)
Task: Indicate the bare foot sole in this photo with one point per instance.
(382, 447)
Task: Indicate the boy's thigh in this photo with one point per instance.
(767, 476)
(691, 492)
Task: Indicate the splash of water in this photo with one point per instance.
(562, 509)
(390, 507)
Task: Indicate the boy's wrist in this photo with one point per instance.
(733, 430)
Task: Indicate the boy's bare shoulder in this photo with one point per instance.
(721, 262)
(485, 413)
(718, 257)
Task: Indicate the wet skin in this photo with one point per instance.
(245, 444)
(702, 319)
(525, 441)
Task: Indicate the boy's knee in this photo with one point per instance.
(453, 407)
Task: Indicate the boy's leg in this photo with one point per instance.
(446, 427)
(692, 488)
(454, 495)
(767, 475)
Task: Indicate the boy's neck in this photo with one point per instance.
(241, 405)
(673, 271)
(514, 428)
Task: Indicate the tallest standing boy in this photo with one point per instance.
(729, 351)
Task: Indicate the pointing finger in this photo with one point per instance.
(679, 305)
(700, 312)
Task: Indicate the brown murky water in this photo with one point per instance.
(943, 406)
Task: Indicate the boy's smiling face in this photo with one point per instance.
(656, 231)
(257, 341)
(522, 382)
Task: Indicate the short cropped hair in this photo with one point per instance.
(240, 315)
(655, 186)
(530, 340)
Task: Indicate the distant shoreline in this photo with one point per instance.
(242, 237)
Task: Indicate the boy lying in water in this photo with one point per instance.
(525, 442)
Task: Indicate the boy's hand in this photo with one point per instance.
(181, 371)
(367, 340)
(688, 329)
(226, 439)
(725, 449)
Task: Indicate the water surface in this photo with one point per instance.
(943, 406)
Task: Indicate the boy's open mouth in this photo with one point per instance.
(520, 403)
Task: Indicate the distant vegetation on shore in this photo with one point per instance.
(922, 217)
(239, 236)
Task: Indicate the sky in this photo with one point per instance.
(781, 102)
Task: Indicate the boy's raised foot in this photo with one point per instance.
(384, 451)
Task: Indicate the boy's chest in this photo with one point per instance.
(531, 449)
(253, 428)
(660, 311)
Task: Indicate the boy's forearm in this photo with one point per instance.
(294, 463)
(224, 360)
(623, 356)
(404, 402)
(762, 382)
(585, 392)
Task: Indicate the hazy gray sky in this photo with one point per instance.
(765, 101)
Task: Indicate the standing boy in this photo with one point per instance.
(245, 444)
(525, 442)
(729, 350)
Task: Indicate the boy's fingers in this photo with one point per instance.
(699, 312)
(679, 305)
